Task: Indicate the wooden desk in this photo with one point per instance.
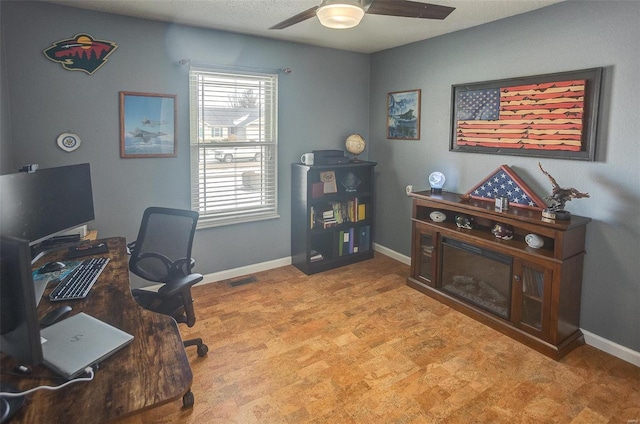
(151, 371)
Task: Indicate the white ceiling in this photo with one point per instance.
(254, 17)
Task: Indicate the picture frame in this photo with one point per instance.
(147, 125)
(552, 115)
(403, 115)
(328, 178)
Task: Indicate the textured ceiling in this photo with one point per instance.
(254, 17)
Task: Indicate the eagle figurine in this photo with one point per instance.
(560, 196)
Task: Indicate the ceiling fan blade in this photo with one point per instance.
(302, 16)
(409, 9)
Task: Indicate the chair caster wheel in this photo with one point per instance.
(188, 399)
(202, 350)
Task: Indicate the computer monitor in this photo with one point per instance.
(19, 324)
(36, 206)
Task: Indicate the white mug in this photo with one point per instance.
(307, 158)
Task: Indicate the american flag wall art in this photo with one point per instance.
(525, 116)
(539, 116)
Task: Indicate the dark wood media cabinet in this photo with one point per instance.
(536, 301)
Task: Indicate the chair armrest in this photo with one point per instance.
(178, 283)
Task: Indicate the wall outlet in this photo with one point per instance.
(409, 189)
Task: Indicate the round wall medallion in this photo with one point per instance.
(68, 142)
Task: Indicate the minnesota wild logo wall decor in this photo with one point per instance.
(81, 53)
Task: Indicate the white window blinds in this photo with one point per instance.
(233, 146)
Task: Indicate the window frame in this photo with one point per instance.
(262, 173)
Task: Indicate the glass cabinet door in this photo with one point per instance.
(531, 297)
(424, 255)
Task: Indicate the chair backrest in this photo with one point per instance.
(164, 243)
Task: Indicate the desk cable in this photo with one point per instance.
(87, 370)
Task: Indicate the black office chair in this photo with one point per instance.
(162, 254)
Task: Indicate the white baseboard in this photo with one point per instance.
(611, 348)
(392, 254)
(276, 263)
(245, 270)
(591, 339)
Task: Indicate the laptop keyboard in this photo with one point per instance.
(78, 284)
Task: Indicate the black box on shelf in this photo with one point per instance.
(322, 157)
(336, 160)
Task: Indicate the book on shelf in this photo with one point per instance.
(326, 223)
(339, 212)
(364, 238)
(356, 211)
(315, 256)
(352, 209)
(317, 190)
(346, 237)
(348, 211)
(362, 212)
(352, 240)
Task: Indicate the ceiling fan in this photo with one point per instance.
(341, 14)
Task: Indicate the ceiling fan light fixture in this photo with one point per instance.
(340, 14)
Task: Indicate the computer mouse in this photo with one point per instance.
(55, 315)
(51, 267)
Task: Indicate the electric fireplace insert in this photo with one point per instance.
(479, 276)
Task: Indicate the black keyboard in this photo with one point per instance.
(77, 284)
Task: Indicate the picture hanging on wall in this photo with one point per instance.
(81, 53)
(403, 115)
(147, 125)
(554, 115)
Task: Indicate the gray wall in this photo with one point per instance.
(6, 150)
(321, 102)
(329, 95)
(564, 37)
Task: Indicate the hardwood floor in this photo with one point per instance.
(356, 345)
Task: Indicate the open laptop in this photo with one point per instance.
(71, 345)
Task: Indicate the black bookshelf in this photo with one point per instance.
(331, 222)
